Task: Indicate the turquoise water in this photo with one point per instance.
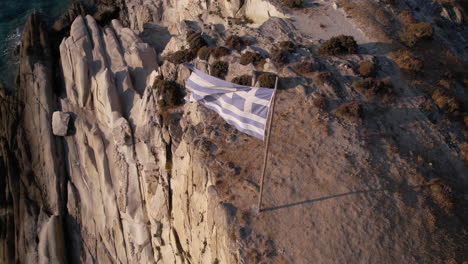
(13, 14)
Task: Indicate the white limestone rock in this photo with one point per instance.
(60, 123)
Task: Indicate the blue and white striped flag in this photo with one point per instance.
(244, 107)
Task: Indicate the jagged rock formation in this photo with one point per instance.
(355, 174)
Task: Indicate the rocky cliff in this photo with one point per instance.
(368, 156)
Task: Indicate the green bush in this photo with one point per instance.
(181, 56)
(267, 80)
(234, 42)
(251, 57)
(219, 69)
(219, 52)
(204, 53)
(243, 80)
(339, 45)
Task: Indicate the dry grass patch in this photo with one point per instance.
(339, 45)
(320, 102)
(464, 151)
(288, 46)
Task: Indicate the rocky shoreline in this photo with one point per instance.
(100, 164)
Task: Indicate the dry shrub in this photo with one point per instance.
(367, 69)
(243, 80)
(219, 69)
(234, 42)
(252, 255)
(371, 88)
(204, 53)
(279, 57)
(351, 111)
(464, 151)
(267, 80)
(293, 3)
(251, 57)
(339, 45)
(406, 61)
(220, 52)
(320, 102)
(304, 68)
(323, 78)
(288, 46)
(406, 18)
(171, 93)
(195, 40)
(415, 33)
(445, 100)
(181, 56)
(441, 194)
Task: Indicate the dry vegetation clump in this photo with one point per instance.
(293, 3)
(351, 111)
(323, 78)
(464, 150)
(288, 46)
(170, 91)
(181, 56)
(204, 53)
(339, 45)
(367, 69)
(267, 80)
(406, 61)
(279, 57)
(442, 196)
(304, 67)
(219, 69)
(415, 33)
(445, 100)
(195, 40)
(371, 88)
(251, 57)
(235, 42)
(320, 102)
(219, 52)
(243, 80)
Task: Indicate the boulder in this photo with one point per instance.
(60, 122)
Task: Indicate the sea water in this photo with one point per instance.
(13, 14)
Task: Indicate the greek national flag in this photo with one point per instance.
(244, 107)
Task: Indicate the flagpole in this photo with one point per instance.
(265, 156)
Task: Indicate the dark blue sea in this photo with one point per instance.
(13, 14)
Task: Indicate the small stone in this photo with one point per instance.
(60, 122)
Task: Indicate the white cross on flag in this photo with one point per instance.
(244, 107)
